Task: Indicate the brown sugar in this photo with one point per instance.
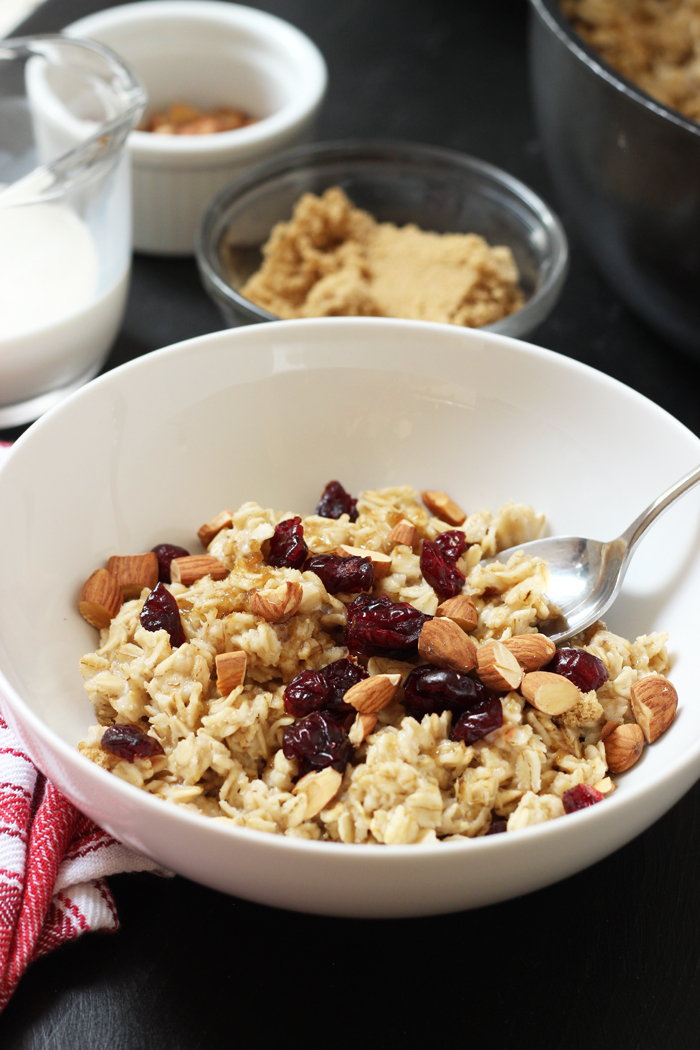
(182, 119)
(333, 259)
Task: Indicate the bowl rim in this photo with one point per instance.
(213, 221)
(559, 25)
(306, 97)
(174, 816)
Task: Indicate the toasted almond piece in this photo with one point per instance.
(497, 667)
(223, 520)
(440, 504)
(443, 643)
(192, 568)
(100, 599)
(277, 604)
(405, 534)
(609, 728)
(381, 563)
(319, 788)
(362, 727)
(551, 693)
(134, 572)
(460, 609)
(606, 786)
(623, 747)
(654, 702)
(374, 693)
(532, 651)
(230, 671)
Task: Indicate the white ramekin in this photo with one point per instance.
(207, 53)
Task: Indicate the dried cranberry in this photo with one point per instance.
(348, 575)
(317, 741)
(580, 797)
(497, 827)
(336, 501)
(341, 676)
(160, 612)
(379, 627)
(482, 718)
(308, 692)
(165, 552)
(288, 548)
(129, 741)
(582, 668)
(452, 543)
(440, 571)
(432, 690)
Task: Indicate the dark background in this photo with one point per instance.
(606, 959)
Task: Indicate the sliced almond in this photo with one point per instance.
(551, 693)
(223, 520)
(372, 694)
(277, 604)
(404, 534)
(497, 667)
(381, 563)
(606, 786)
(194, 567)
(654, 702)
(440, 504)
(100, 599)
(623, 747)
(460, 609)
(443, 643)
(319, 788)
(230, 671)
(134, 572)
(362, 727)
(532, 651)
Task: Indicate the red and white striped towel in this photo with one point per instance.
(53, 865)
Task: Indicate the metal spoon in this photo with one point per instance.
(586, 575)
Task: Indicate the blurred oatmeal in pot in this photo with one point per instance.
(359, 675)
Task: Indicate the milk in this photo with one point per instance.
(55, 326)
(48, 267)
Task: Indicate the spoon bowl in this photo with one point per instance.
(586, 575)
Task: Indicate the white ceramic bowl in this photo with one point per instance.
(207, 53)
(271, 412)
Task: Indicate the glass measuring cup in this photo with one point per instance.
(66, 108)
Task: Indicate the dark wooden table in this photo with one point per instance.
(608, 958)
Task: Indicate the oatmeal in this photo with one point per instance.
(362, 675)
(654, 43)
(332, 259)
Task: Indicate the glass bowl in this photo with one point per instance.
(437, 189)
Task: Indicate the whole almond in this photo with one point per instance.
(460, 609)
(551, 693)
(230, 671)
(532, 651)
(277, 604)
(404, 534)
(654, 702)
(440, 504)
(381, 563)
(223, 520)
(134, 572)
(362, 727)
(319, 788)
(372, 694)
(443, 643)
(609, 728)
(100, 598)
(623, 747)
(194, 567)
(497, 667)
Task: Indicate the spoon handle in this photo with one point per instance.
(639, 526)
